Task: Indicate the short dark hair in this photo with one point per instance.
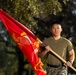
(55, 22)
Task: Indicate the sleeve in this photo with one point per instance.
(41, 52)
(70, 45)
(43, 45)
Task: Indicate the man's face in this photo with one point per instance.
(56, 29)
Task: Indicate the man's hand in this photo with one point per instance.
(68, 63)
(47, 48)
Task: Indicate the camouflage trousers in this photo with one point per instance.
(56, 71)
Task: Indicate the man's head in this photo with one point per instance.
(56, 29)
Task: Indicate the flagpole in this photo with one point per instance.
(62, 59)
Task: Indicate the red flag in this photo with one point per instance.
(26, 41)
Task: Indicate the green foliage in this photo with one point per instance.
(2, 56)
(25, 10)
(8, 60)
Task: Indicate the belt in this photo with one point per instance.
(56, 66)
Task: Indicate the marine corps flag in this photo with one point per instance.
(25, 39)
